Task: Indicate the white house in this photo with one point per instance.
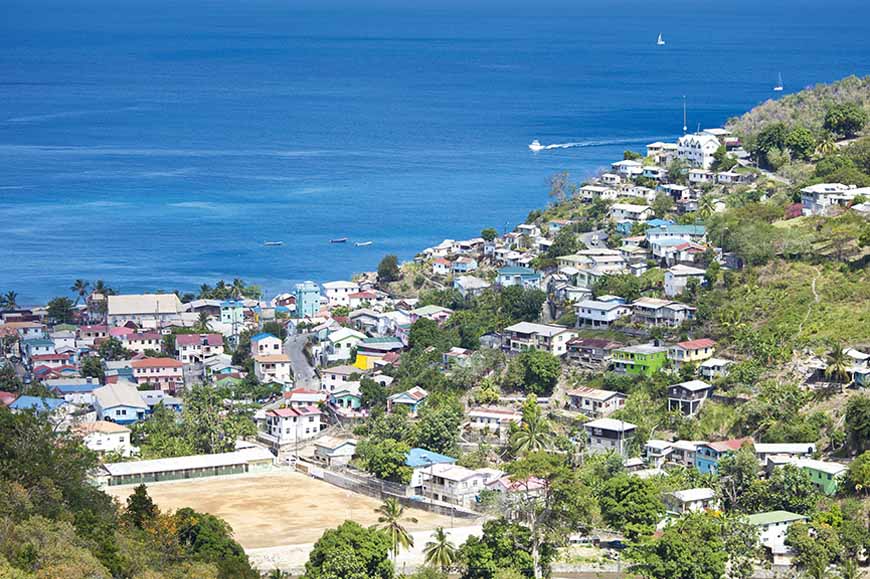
(191, 348)
(819, 199)
(630, 212)
(783, 450)
(656, 312)
(469, 286)
(333, 451)
(690, 500)
(698, 149)
(274, 368)
(657, 452)
(678, 276)
(340, 344)
(701, 176)
(451, 483)
(598, 314)
(628, 168)
(141, 342)
(145, 310)
(773, 527)
(292, 425)
(611, 179)
(265, 344)
(337, 378)
(591, 192)
(529, 336)
(594, 402)
(337, 292)
(304, 397)
(714, 368)
(120, 402)
(494, 420)
(655, 172)
(662, 153)
(103, 437)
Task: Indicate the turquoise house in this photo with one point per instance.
(346, 399)
(708, 454)
(521, 276)
(411, 399)
(307, 299)
(233, 313)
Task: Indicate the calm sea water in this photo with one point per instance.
(157, 144)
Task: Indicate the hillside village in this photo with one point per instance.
(672, 357)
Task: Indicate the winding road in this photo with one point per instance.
(303, 372)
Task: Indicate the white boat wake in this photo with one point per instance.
(537, 146)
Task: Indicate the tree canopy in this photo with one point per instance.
(350, 552)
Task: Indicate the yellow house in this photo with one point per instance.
(364, 362)
(692, 351)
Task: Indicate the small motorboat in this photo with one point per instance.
(273, 243)
(536, 146)
(338, 240)
(778, 87)
(363, 243)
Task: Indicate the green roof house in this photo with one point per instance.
(825, 475)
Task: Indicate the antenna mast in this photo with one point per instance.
(685, 124)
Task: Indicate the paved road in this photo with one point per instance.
(302, 370)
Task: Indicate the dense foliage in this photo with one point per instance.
(57, 524)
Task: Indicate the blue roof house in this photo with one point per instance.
(652, 223)
(420, 459)
(36, 404)
(76, 393)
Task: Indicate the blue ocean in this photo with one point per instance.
(157, 145)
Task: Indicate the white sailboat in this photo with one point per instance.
(778, 87)
(660, 41)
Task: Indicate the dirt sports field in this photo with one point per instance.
(273, 509)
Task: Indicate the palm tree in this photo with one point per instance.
(391, 516)
(440, 552)
(202, 324)
(9, 300)
(221, 290)
(838, 367)
(706, 206)
(534, 434)
(826, 146)
(238, 288)
(100, 287)
(80, 288)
